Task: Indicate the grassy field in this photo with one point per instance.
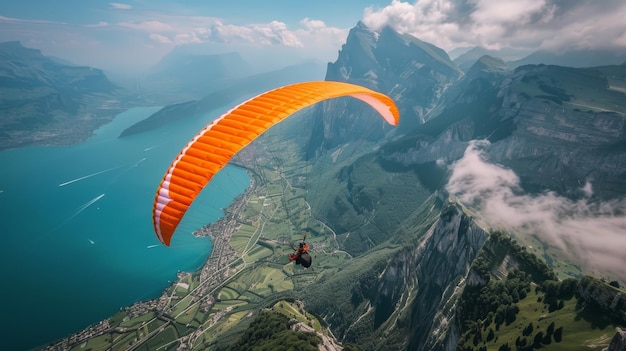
(276, 217)
(579, 332)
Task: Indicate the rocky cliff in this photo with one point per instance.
(414, 73)
(411, 302)
(556, 127)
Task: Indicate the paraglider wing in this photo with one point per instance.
(213, 147)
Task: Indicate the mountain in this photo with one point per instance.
(556, 127)
(574, 58)
(412, 72)
(45, 101)
(226, 95)
(195, 75)
(468, 58)
(399, 263)
(570, 58)
(456, 52)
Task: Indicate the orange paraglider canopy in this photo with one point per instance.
(213, 147)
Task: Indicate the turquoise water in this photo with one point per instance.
(78, 242)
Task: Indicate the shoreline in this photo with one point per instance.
(222, 254)
(213, 273)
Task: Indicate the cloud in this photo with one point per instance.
(146, 35)
(265, 34)
(119, 6)
(198, 29)
(317, 34)
(594, 232)
(27, 21)
(527, 24)
(312, 38)
(160, 38)
(148, 26)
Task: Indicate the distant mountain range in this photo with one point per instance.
(569, 58)
(227, 93)
(195, 75)
(574, 58)
(45, 101)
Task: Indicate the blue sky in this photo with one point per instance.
(132, 35)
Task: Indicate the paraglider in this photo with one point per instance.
(213, 147)
(301, 254)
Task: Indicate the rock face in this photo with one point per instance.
(45, 101)
(414, 73)
(440, 267)
(412, 304)
(422, 285)
(556, 127)
(571, 131)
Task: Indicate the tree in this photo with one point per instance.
(558, 334)
(550, 329)
(478, 337)
(510, 313)
(505, 347)
(537, 340)
(490, 335)
(547, 339)
(614, 284)
(528, 330)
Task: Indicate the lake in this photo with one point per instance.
(78, 242)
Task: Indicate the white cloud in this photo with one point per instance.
(507, 11)
(311, 24)
(160, 38)
(528, 24)
(311, 38)
(196, 29)
(315, 33)
(146, 35)
(594, 232)
(119, 6)
(149, 26)
(27, 21)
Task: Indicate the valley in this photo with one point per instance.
(248, 272)
(401, 259)
(248, 269)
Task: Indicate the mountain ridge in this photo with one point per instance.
(231, 93)
(396, 255)
(47, 102)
